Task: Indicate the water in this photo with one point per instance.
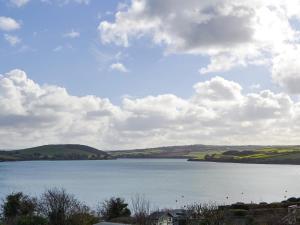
(165, 182)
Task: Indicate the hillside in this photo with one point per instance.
(262, 155)
(215, 153)
(184, 151)
(55, 152)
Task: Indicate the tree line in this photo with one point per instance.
(57, 207)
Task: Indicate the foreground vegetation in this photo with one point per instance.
(57, 207)
(55, 152)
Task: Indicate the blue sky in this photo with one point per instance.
(126, 74)
(82, 64)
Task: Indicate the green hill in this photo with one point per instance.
(183, 151)
(262, 155)
(218, 153)
(55, 152)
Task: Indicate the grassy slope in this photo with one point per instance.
(187, 151)
(54, 152)
(268, 155)
(240, 154)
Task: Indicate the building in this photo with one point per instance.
(169, 217)
(109, 223)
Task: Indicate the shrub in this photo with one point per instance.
(239, 212)
(31, 220)
(17, 206)
(239, 205)
(114, 208)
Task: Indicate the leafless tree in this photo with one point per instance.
(60, 207)
(210, 214)
(141, 209)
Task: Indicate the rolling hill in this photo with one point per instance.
(184, 151)
(262, 155)
(216, 153)
(55, 152)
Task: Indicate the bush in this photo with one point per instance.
(31, 220)
(114, 208)
(292, 199)
(83, 218)
(239, 205)
(18, 206)
(239, 212)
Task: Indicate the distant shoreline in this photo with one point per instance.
(249, 154)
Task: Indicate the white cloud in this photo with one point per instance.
(19, 3)
(58, 48)
(217, 113)
(230, 33)
(72, 34)
(13, 40)
(8, 24)
(208, 27)
(118, 67)
(255, 86)
(286, 69)
(62, 47)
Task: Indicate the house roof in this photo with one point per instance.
(109, 223)
(176, 213)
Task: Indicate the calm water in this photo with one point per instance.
(163, 181)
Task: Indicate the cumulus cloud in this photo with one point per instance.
(217, 113)
(19, 3)
(13, 40)
(118, 67)
(231, 33)
(286, 69)
(72, 34)
(8, 24)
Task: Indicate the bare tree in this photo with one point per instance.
(141, 209)
(210, 214)
(60, 207)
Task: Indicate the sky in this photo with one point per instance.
(145, 73)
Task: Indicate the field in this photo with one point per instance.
(216, 153)
(268, 155)
(186, 151)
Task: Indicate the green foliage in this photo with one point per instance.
(82, 218)
(31, 220)
(239, 212)
(114, 208)
(20, 209)
(55, 207)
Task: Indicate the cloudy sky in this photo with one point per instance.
(131, 74)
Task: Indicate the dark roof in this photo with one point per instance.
(175, 213)
(109, 223)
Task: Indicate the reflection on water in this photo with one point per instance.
(163, 181)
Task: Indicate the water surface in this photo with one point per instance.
(165, 182)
